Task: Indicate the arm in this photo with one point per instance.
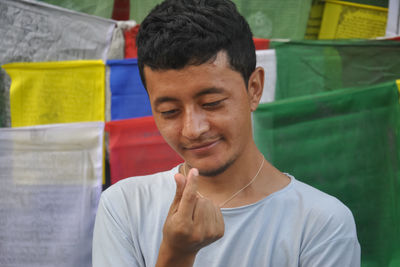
(192, 223)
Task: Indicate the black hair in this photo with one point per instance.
(178, 33)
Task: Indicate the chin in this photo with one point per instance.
(211, 172)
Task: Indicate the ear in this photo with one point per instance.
(255, 87)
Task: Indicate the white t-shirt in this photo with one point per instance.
(295, 226)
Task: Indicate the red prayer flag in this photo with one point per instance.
(261, 43)
(137, 148)
(120, 10)
(130, 42)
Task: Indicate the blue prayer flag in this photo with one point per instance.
(129, 98)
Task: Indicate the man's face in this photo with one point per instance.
(203, 112)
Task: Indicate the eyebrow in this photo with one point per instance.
(164, 99)
(212, 90)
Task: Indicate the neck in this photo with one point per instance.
(245, 173)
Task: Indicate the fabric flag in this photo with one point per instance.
(4, 113)
(345, 143)
(136, 147)
(267, 60)
(121, 10)
(347, 19)
(128, 96)
(271, 19)
(393, 19)
(117, 51)
(260, 43)
(276, 18)
(50, 184)
(130, 41)
(315, 19)
(56, 92)
(140, 8)
(35, 31)
(131, 49)
(100, 8)
(310, 67)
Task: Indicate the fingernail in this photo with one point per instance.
(195, 172)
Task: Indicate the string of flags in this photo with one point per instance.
(71, 102)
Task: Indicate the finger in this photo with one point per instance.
(189, 196)
(219, 218)
(207, 221)
(203, 212)
(180, 186)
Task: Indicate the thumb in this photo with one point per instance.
(180, 187)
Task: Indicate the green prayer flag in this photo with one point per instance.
(276, 18)
(267, 19)
(139, 9)
(345, 143)
(309, 67)
(101, 8)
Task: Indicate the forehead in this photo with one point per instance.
(192, 79)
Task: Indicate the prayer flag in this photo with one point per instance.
(267, 19)
(276, 18)
(129, 98)
(130, 42)
(308, 67)
(100, 8)
(345, 143)
(393, 20)
(260, 43)
(34, 32)
(50, 185)
(4, 114)
(56, 92)
(314, 19)
(267, 60)
(346, 19)
(140, 8)
(136, 147)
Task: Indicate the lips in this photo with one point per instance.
(201, 147)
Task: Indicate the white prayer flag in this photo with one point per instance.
(393, 20)
(50, 184)
(33, 31)
(267, 60)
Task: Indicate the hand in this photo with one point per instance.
(193, 222)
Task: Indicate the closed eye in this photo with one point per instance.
(213, 104)
(169, 113)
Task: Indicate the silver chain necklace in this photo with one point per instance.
(237, 192)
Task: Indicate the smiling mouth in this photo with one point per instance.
(202, 146)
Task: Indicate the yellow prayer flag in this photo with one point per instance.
(56, 92)
(346, 20)
(398, 88)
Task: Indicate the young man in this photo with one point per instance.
(226, 205)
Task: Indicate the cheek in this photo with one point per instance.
(169, 131)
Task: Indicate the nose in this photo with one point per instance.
(195, 123)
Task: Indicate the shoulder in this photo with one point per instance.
(326, 220)
(139, 185)
(136, 194)
(322, 208)
(329, 236)
(318, 203)
(126, 211)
